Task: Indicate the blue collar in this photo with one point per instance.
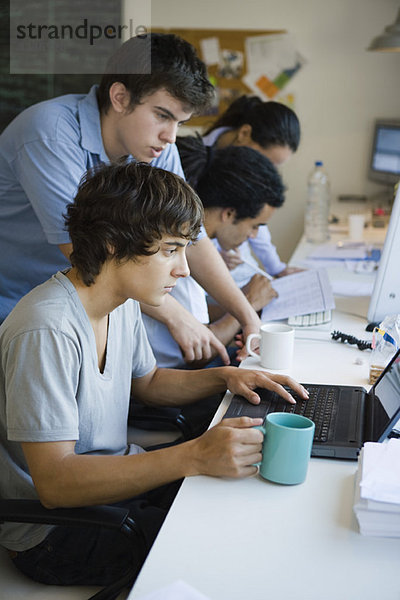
(89, 117)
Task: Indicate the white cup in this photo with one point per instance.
(356, 227)
(276, 345)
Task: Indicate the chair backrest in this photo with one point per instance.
(147, 439)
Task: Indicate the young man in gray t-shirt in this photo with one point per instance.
(72, 353)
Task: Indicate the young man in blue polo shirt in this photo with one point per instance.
(47, 148)
(84, 350)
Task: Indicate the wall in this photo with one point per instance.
(339, 92)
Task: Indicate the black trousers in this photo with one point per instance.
(96, 556)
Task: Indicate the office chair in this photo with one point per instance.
(168, 421)
(110, 517)
(172, 423)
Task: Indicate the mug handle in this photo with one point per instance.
(262, 429)
(252, 336)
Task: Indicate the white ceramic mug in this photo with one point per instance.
(276, 345)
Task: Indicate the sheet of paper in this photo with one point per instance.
(179, 590)
(230, 64)
(352, 288)
(272, 52)
(320, 263)
(210, 50)
(361, 266)
(333, 252)
(300, 294)
(272, 60)
(381, 472)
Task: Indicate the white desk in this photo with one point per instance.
(252, 540)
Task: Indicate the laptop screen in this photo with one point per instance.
(387, 391)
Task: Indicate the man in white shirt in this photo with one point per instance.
(240, 191)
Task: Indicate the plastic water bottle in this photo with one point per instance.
(317, 207)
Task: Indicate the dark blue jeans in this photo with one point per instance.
(96, 556)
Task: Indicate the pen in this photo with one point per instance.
(257, 269)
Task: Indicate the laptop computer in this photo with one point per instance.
(345, 416)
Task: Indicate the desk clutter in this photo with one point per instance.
(353, 258)
(344, 250)
(352, 340)
(385, 342)
(377, 491)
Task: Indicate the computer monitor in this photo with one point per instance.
(385, 299)
(384, 166)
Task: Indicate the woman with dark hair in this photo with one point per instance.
(261, 125)
(273, 130)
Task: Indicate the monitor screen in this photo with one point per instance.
(387, 391)
(385, 299)
(385, 156)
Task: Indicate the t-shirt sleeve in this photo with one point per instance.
(266, 252)
(42, 371)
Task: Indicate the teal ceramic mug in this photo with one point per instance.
(286, 449)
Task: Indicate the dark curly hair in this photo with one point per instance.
(122, 210)
(232, 177)
(145, 64)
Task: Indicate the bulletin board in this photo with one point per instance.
(226, 54)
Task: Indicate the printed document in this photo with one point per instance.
(300, 294)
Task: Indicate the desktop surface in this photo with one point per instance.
(237, 539)
(253, 539)
(319, 359)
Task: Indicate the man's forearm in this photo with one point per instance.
(102, 479)
(173, 387)
(210, 271)
(225, 328)
(177, 387)
(237, 305)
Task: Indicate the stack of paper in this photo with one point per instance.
(377, 494)
(178, 590)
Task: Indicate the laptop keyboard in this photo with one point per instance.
(312, 319)
(320, 407)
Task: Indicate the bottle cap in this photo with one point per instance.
(319, 163)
